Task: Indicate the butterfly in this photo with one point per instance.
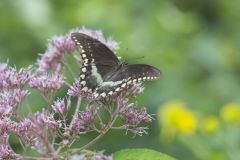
(102, 73)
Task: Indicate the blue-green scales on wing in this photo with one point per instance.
(102, 73)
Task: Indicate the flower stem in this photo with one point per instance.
(108, 127)
(69, 68)
(90, 143)
(76, 111)
(71, 123)
(48, 144)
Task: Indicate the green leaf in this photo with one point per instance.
(140, 154)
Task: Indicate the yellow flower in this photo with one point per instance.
(174, 116)
(210, 125)
(231, 113)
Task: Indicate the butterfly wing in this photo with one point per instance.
(136, 73)
(98, 60)
(126, 75)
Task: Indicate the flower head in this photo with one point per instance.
(102, 157)
(6, 126)
(78, 157)
(11, 99)
(88, 116)
(5, 111)
(231, 113)
(7, 153)
(60, 107)
(175, 116)
(47, 82)
(210, 125)
(22, 127)
(3, 66)
(44, 120)
(134, 116)
(50, 59)
(77, 125)
(63, 44)
(10, 78)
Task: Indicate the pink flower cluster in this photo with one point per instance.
(10, 78)
(60, 107)
(7, 153)
(41, 131)
(44, 121)
(10, 100)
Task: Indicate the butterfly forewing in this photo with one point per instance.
(93, 49)
(98, 60)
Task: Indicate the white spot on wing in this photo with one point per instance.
(103, 94)
(124, 84)
(129, 82)
(82, 76)
(84, 69)
(83, 83)
(85, 89)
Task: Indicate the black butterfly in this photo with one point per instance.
(102, 73)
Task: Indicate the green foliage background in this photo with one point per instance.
(195, 43)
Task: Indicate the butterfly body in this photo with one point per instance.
(102, 73)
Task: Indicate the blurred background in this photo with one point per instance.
(195, 44)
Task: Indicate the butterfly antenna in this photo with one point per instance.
(142, 57)
(138, 58)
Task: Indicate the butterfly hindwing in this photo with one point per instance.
(129, 74)
(137, 72)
